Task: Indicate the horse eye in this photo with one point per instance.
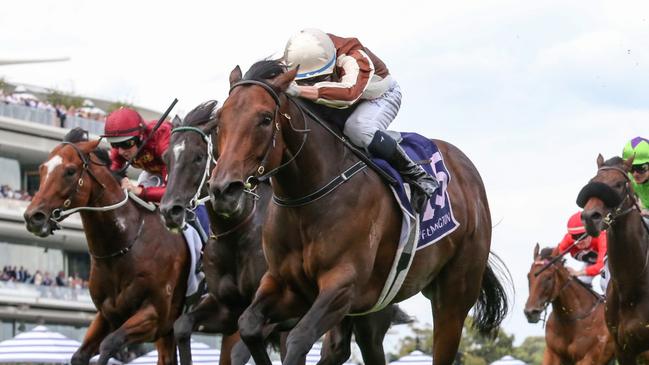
(70, 171)
(198, 158)
(266, 120)
(619, 184)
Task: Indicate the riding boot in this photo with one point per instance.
(423, 185)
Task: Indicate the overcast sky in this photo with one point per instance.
(531, 91)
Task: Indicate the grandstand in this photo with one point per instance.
(27, 134)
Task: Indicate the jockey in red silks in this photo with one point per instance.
(125, 130)
(340, 72)
(590, 250)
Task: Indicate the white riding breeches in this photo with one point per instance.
(372, 115)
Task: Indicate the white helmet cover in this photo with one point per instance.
(313, 51)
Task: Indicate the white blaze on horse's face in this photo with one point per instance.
(178, 149)
(51, 165)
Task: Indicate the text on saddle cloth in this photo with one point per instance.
(438, 220)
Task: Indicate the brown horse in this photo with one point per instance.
(233, 260)
(609, 204)
(138, 274)
(576, 331)
(330, 257)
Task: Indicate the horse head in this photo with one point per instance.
(190, 149)
(543, 285)
(607, 195)
(66, 182)
(249, 140)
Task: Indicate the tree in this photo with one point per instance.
(531, 350)
(68, 100)
(119, 104)
(489, 349)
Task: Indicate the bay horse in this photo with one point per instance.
(609, 204)
(575, 332)
(233, 259)
(330, 257)
(138, 269)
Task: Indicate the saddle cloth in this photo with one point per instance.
(417, 231)
(195, 247)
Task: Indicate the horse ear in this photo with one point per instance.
(282, 81)
(176, 122)
(629, 162)
(235, 75)
(536, 250)
(600, 160)
(89, 146)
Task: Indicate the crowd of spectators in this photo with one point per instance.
(40, 278)
(8, 193)
(20, 96)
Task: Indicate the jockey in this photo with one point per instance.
(639, 172)
(125, 130)
(340, 72)
(590, 250)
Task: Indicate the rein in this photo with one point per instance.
(598, 299)
(59, 214)
(328, 187)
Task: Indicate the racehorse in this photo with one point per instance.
(233, 260)
(609, 204)
(330, 257)
(576, 331)
(138, 273)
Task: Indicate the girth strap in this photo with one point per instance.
(323, 191)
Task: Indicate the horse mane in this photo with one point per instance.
(78, 134)
(614, 161)
(546, 253)
(265, 70)
(201, 114)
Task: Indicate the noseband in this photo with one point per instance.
(59, 214)
(196, 200)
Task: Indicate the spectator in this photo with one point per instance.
(38, 278)
(47, 279)
(61, 279)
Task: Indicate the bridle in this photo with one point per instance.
(598, 299)
(59, 214)
(261, 174)
(196, 199)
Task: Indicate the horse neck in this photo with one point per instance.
(573, 299)
(320, 159)
(628, 256)
(108, 231)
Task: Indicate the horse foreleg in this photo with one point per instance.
(166, 346)
(228, 343)
(329, 308)
(97, 330)
(252, 321)
(141, 327)
(336, 347)
(207, 314)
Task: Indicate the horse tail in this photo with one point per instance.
(493, 303)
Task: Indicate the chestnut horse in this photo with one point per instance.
(233, 259)
(576, 331)
(329, 257)
(609, 204)
(138, 272)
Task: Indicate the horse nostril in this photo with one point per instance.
(233, 187)
(38, 218)
(176, 211)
